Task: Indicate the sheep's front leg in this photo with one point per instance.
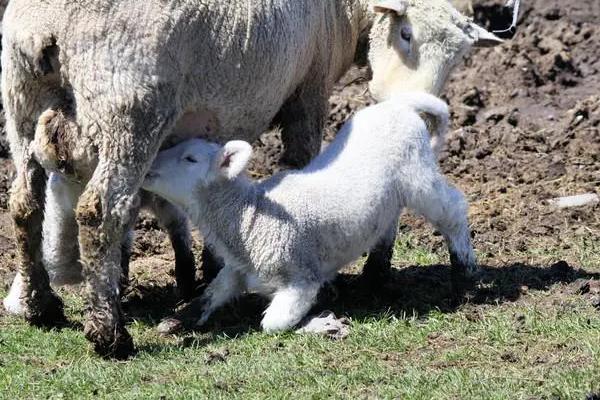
(226, 286)
(175, 222)
(102, 228)
(302, 118)
(289, 305)
(31, 292)
(104, 213)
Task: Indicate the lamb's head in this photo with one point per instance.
(416, 43)
(178, 173)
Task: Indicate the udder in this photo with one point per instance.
(194, 124)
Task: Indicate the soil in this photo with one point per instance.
(525, 129)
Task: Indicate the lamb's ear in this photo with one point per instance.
(232, 159)
(397, 6)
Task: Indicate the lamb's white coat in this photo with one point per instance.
(284, 237)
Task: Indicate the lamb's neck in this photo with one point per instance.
(223, 210)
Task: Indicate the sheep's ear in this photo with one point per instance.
(483, 38)
(397, 6)
(232, 159)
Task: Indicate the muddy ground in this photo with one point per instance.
(526, 128)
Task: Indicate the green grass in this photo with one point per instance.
(544, 345)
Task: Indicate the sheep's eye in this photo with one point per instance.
(190, 159)
(405, 33)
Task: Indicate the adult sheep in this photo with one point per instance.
(128, 76)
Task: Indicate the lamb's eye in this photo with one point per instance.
(406, 33)
(190, 159)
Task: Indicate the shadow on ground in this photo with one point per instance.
(414, 290)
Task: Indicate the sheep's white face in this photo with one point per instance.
(415, 44)
(179, 172)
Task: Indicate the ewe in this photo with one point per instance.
(129, 77)
(286, 236)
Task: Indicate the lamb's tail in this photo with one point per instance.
(429, 104)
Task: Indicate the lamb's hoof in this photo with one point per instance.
(45, 311)
(464, 270)
(118, 346)
(169, 326)
(326, 324)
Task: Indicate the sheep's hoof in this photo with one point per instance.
(45, 310)
(326, 324)
(169, 326)
(118, 346)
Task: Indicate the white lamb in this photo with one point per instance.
(288, 235)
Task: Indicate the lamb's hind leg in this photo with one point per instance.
(35, 300)
(445, 207)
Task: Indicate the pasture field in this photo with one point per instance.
(523, 332)
(526, 128)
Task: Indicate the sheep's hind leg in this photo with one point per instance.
(289, 305)
(32, 295)
(60, 245)
(302, 118)
(176, 224)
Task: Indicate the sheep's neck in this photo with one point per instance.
(358, 10)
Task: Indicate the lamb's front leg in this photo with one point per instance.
(378, 264)
(226, 286)
(289, 305)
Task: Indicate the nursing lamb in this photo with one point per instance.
(286, 236)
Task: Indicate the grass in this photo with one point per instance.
(543, 345)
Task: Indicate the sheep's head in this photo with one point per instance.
(178, 173)
(416, 43)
